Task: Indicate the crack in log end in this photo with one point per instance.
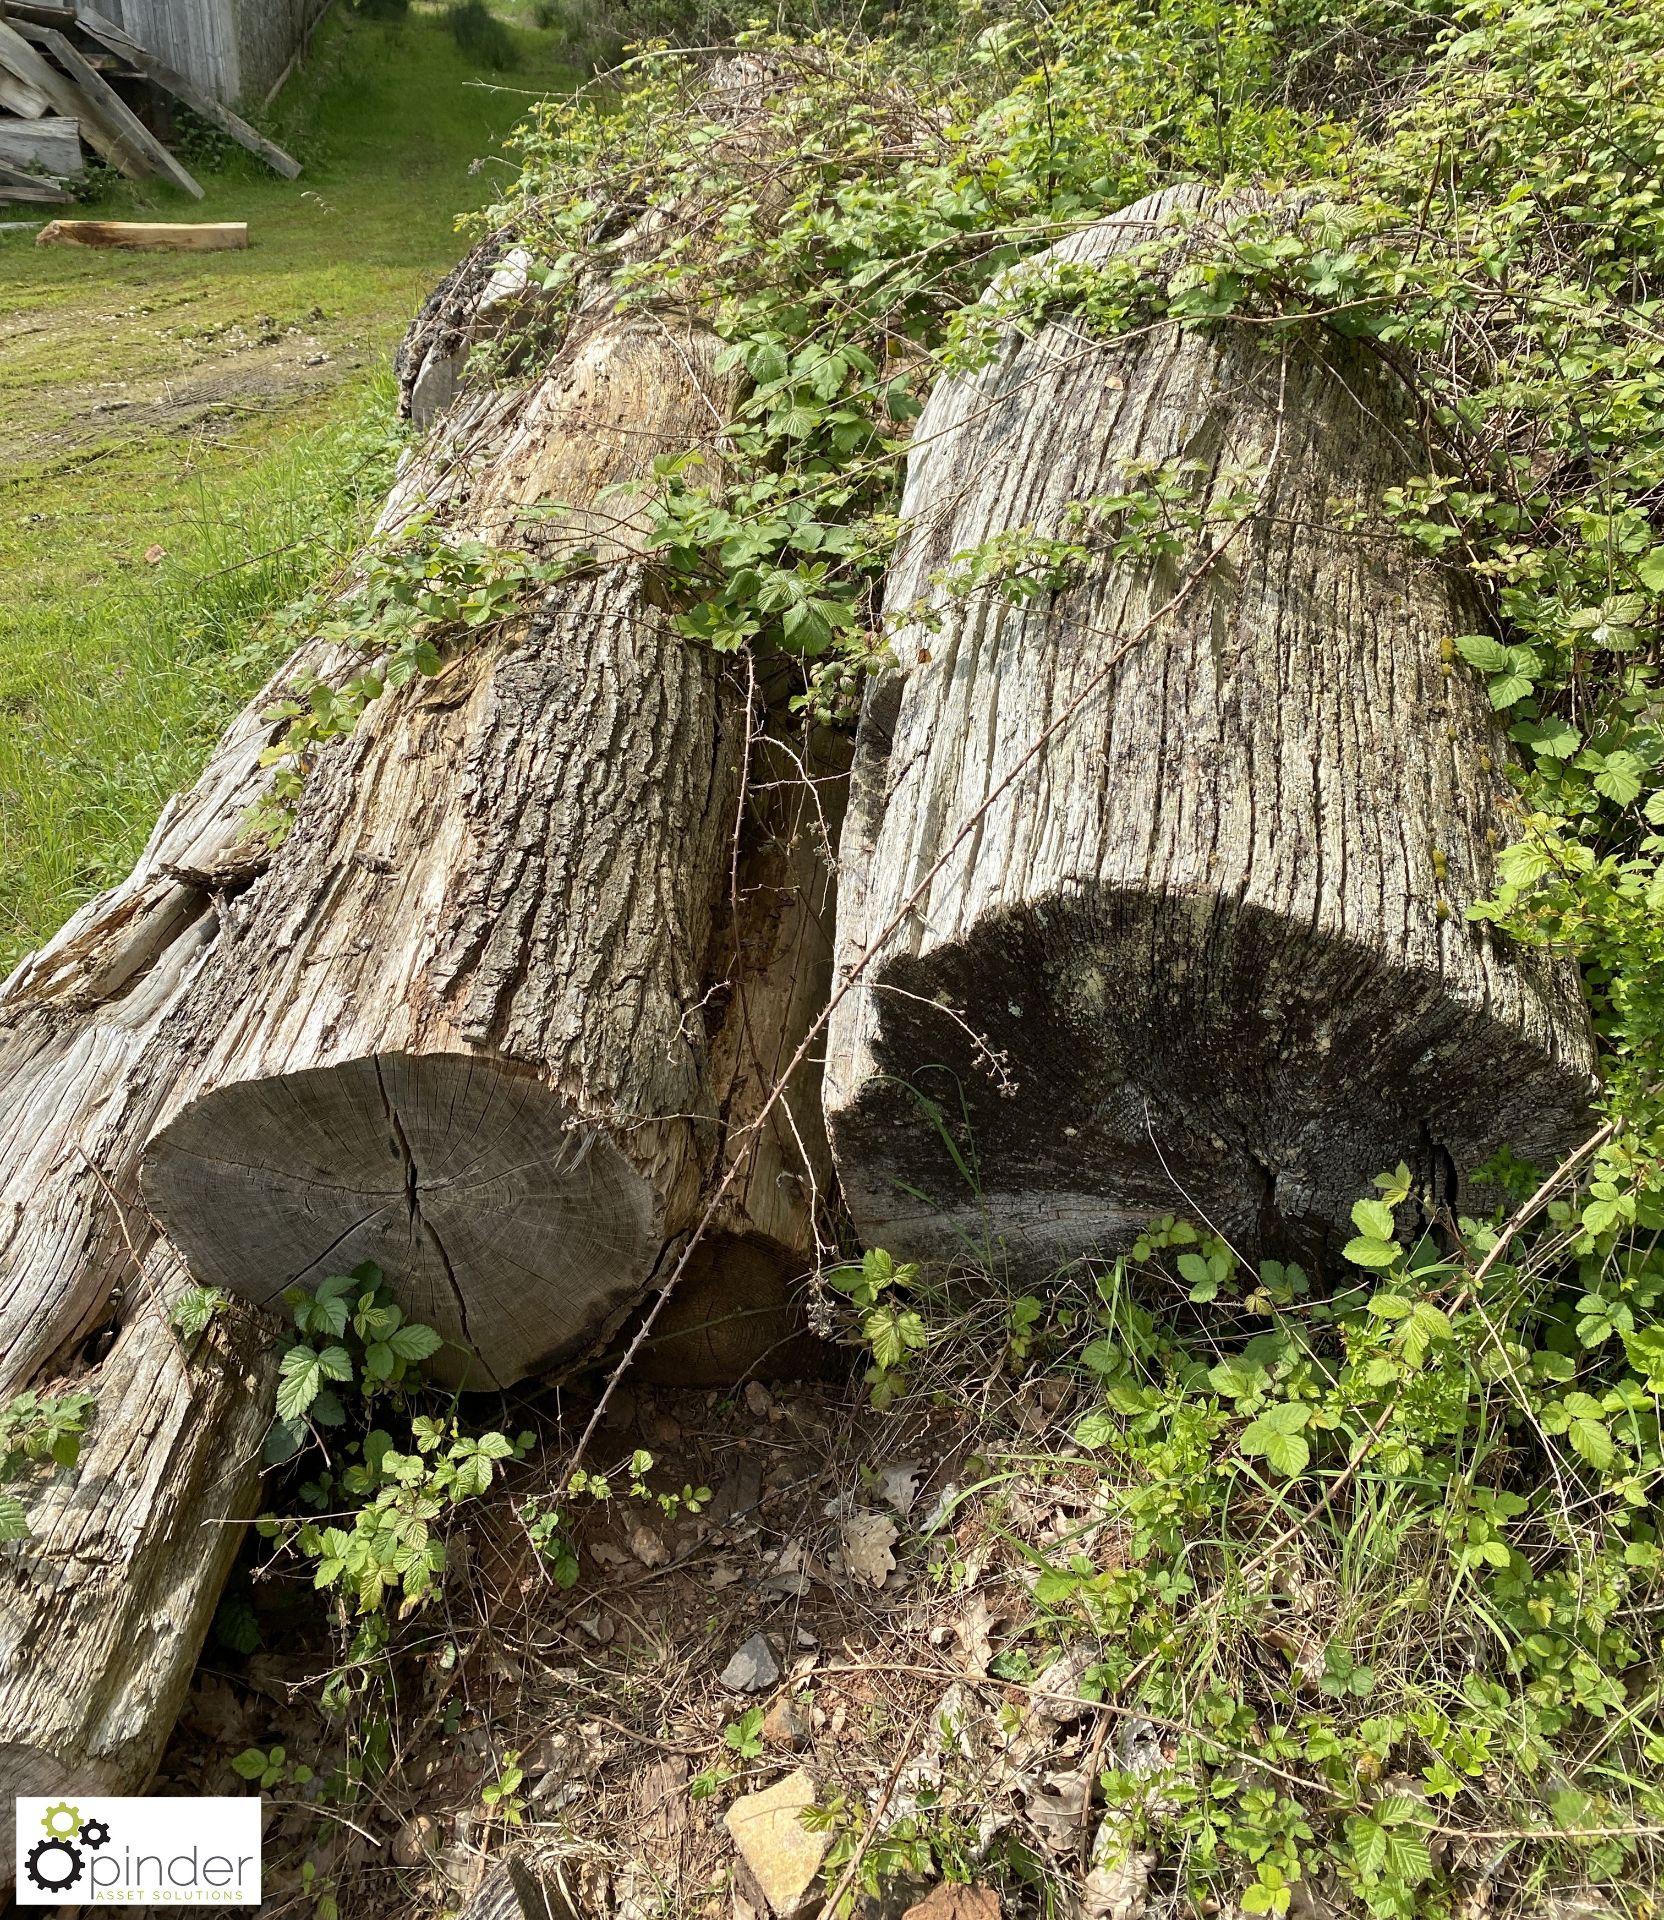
(1068, 1072)
(419, 1221)
(496, 1215)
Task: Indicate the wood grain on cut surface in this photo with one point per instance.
(1205, 950)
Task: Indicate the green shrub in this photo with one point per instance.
(480, 34)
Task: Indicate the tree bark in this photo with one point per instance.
(104, 1607)
(460, 1026)
(1204, 949)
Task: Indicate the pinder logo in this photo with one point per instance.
(182, 1853)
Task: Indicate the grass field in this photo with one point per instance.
(187, 440)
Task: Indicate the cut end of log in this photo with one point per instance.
(496, 1216)
(1067, 1073)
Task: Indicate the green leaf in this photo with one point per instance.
(414, 1342)
(1374, 1218)
(14, 1520)
(250, 1763)
(1619, 779)
(283, 1442)
(299, 1377)
(1364, 1252)
(1481, 651)
(1509, 689)
(1593, 1440)
(1550, 738)
(1277, 1438)
(1095, 1432)
(1646, 1348)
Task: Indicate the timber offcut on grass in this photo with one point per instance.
(209, 236)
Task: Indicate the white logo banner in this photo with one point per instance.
(86, 1850)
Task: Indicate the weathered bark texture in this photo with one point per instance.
(459, 1027)
(735, 1309)
(1207, 951)
(103, 1608)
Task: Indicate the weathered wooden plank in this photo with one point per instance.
(29, 65)
(198, 99)
(31, 192)
(128, 127)
(17, 96)
(43, 146)
(215, 236)
(40, 14)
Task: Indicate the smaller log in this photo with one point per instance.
(104, 1607)
(196, 98)
(1155, 902)
(208, 237)
(51, 145)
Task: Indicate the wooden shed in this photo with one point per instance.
(235, 49)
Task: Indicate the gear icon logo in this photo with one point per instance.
(54, 1865)
(62, 1822)
(94, 1833)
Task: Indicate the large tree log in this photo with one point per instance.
(469, 1023)
(1204, 948)
(542, 842)
(457, 1027)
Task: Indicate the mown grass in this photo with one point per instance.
(232, 410)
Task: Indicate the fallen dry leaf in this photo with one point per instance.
(867, 1540)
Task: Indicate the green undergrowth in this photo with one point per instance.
(1381, 1569)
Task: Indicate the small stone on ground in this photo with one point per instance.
(753, 1669)
(956, 1903)
(784, 1857)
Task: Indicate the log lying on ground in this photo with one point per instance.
(1206, 950)
(447, 1034)
(541, 839)
(214, 236)
(103, 1608)
(458, 1026)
